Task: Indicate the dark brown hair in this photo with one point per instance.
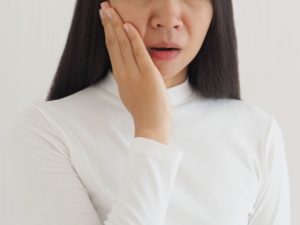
(212, 73)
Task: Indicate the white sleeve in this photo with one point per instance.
(146, 188)
(273, 203)
(42, 186)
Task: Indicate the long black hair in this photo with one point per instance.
(85, 60)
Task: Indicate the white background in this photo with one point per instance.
(33, 35)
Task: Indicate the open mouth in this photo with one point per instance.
(164, 53)
(165, 49)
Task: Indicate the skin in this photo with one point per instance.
(169, 20)
(142, 81)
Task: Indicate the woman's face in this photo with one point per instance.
(183, 22)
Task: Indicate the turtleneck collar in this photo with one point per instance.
(178, 94)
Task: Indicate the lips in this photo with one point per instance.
(164, 50)
(163, 54)
(165, 46)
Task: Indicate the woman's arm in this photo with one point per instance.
(273, 203)
(43, 188)
(148, 179)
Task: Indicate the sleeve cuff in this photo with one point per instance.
(155, 149)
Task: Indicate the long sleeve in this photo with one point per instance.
(143, 201)
(42, 186)
(273, 203)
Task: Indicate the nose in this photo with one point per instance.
(167, 15)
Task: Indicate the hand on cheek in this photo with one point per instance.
(140, 83)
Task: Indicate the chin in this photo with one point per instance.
(165, 73)
(168, 71)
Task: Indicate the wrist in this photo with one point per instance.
(157, 135)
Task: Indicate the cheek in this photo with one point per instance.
(134, 17)
(128, 14)
(202, 13)
(198, 25)
(125, 10)
(203, 21)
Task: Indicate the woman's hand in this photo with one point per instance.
(140, 84)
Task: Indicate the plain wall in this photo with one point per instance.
(33, 35)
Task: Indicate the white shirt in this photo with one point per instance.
(75, 161)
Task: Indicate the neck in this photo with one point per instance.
(175, 80)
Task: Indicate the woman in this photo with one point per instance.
(147, 127)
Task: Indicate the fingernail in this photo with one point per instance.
(126, 27)
(104, 5)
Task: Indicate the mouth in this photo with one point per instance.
(164, 53)
(165, 49)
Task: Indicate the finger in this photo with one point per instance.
(140, 52)
(124, 43)
(112, 44)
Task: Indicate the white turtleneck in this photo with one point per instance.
(177, 94)
(75, 161)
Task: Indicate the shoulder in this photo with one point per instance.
(70, 112)
(237, 117)
(238, 110)
(31, 132)
(29, 119)
(64, 108)
(44, 114)
(253, 119)
(248, 110)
